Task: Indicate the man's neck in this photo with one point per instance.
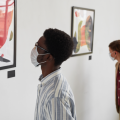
(47, 70)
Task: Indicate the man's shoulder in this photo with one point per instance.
(53, 86)
(61, 91)
(63, 88)
(60, 88)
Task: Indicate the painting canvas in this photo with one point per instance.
(7, 34)
(82, 30)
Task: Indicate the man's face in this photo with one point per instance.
(41, 43)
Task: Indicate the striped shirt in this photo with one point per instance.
(55, 100)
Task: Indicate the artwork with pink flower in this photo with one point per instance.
(82, 30)
(7, 34)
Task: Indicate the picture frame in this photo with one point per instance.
(82, 30)
(8, 25)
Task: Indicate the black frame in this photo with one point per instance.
(15, 37)
(72, 21)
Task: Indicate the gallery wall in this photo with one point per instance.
(92, 81)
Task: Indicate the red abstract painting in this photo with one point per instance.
(7, 32)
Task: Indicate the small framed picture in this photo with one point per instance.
(8, 33)
(82, 30)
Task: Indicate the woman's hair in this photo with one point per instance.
(115, 45)
(59, 44)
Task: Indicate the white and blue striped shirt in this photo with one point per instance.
(55, 100)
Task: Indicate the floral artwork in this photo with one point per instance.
(7, 34)
(82, 30)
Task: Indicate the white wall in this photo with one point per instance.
(92, 81)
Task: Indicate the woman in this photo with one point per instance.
(114, 49)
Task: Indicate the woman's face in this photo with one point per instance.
(113, 53)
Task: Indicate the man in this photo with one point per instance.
(55, 100)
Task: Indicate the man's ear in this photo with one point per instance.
(50, 57)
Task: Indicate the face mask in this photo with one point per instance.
(112, 58)
(34, 54)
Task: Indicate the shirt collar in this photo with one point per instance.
(44, 80)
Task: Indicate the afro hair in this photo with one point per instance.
(59, 44)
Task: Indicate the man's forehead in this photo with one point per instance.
(41, 40)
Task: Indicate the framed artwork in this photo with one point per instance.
(82, 30)
(7, 34)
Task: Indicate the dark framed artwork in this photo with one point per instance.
(82, 30)
(8, 12)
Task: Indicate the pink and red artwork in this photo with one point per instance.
(7, 39)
